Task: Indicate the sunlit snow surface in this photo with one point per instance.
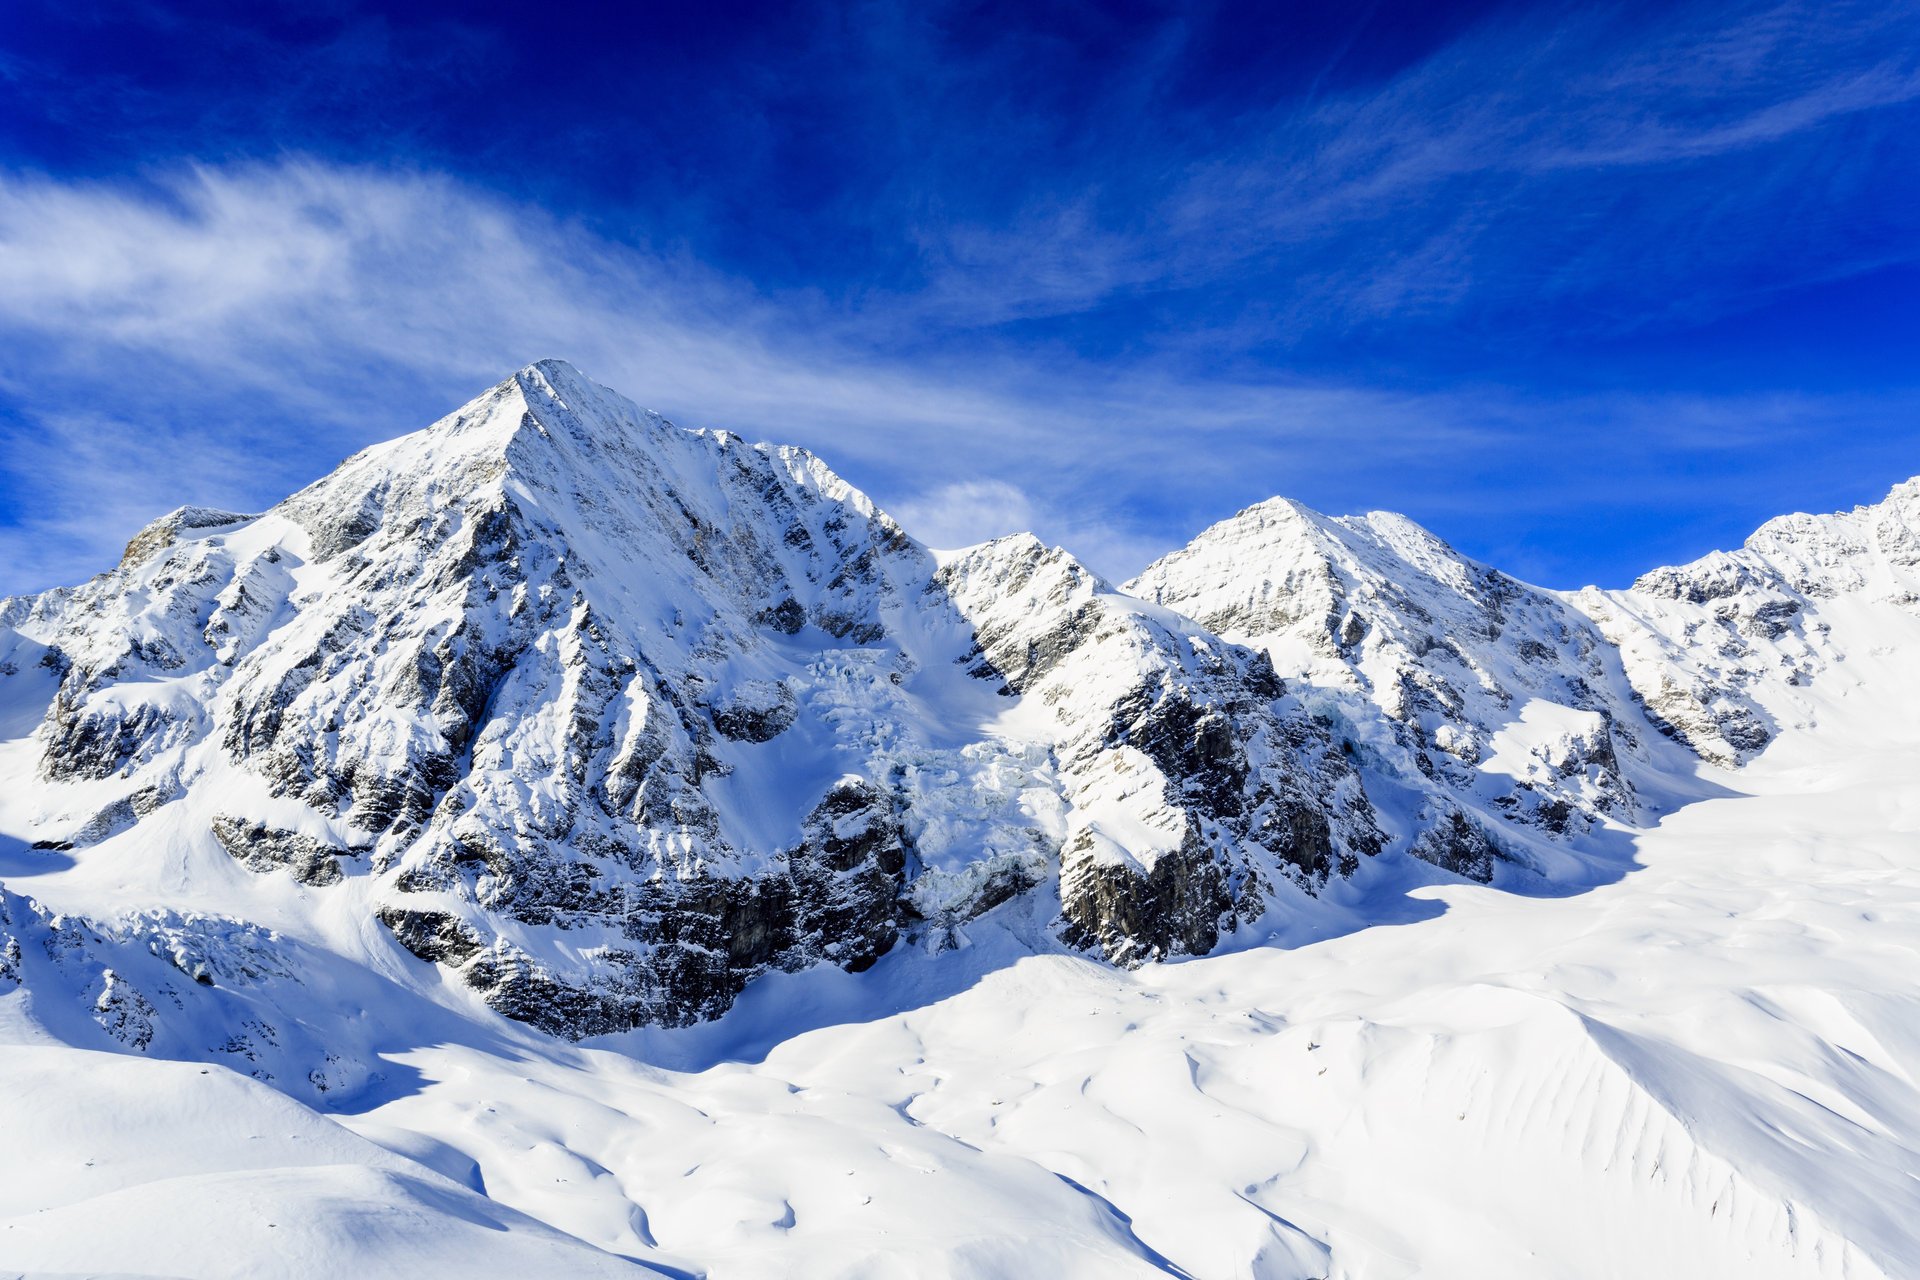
(1698, 1059)
(1703, 1069)
(1706, 1068)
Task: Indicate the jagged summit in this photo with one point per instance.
(1501, 719)
(546, 422)
(1873, 549)
(562, 377)
(161, 533)
(1719, 648)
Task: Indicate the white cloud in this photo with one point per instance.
(973, 511)
(969, 512)
(1534, 156)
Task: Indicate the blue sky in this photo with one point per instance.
(1585, 289)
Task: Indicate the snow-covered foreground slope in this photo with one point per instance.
(389, 840)
(1706, 1068)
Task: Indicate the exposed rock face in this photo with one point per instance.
(11, 953)
(689, 950)
(123, 1011)
(757, 711)
(1195, 782)
(1474, 692)
(848, 878)
(619, 717)
(1173, 907)
(1458, 844)
(436, 936)
(91, 743)
(263, 849)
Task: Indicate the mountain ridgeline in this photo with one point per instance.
(606, 718)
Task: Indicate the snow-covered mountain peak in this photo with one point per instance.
(1720, 649)
(1276, 510)
(1493, 708)
(546, 420)
(1872, 550)
(163, 532)
(610, 717)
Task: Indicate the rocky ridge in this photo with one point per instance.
(1495, 713)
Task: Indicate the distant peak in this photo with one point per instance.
(543, 404)
(162, 533)
(558, 379)
(1284, 516)
(1903, 493)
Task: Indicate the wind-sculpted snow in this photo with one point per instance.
(555, 722)
(189, 987)
(138, 1166)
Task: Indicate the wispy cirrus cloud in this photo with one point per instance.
(1547, 156)
(249, 326)
(237, 331)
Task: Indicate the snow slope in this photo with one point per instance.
(1545, 935)
(1706, 1068)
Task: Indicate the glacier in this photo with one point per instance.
(557, 842)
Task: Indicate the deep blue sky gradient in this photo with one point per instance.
(1584, 290)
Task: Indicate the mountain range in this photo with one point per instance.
(556, 723)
